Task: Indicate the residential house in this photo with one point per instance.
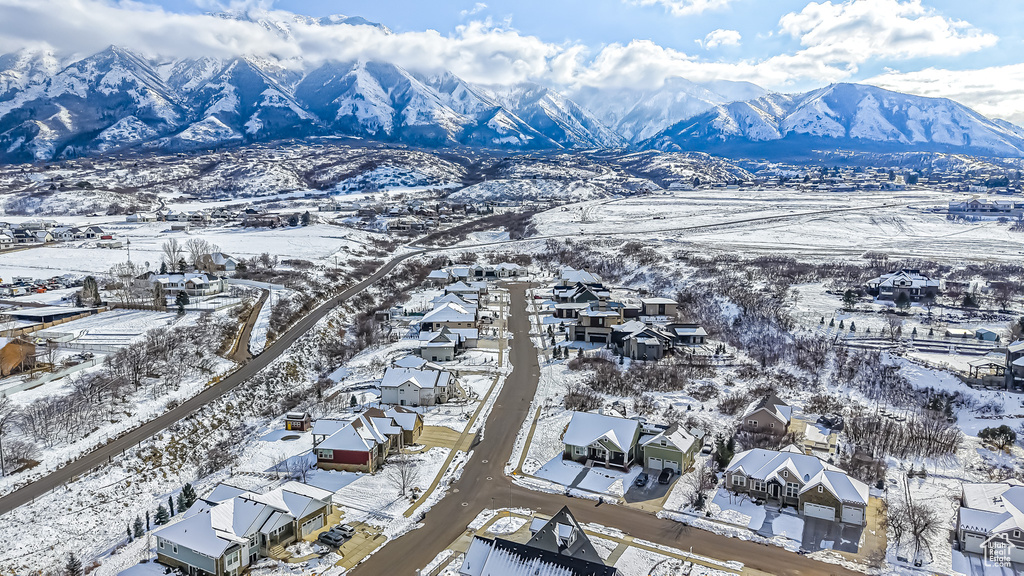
(1015, 366)
(417, 387)
(263, 221)
(323, 428)
(789, 477)
(672, 447)
(222, 262)
(357, 446)
(409, 421)
(604, 440)
(141, 217)
(648, 343)
(769, 415)
(439, 346)
(907, 284)
(439, 278)
(658, 306)
(686, 334)
(992, 513)
(7, 239)
(568, 275)
(594, 324)
(300, 421)
(191, 283)
(225, 533)
(557, 547)
(448, 315)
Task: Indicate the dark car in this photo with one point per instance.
(331, 538)
(641, 479)
(665, 477)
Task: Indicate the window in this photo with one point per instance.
(771, 425)
(174, 548)
(324, 454)
(757, 485)
(161, 544)
(739, 480)
(792, 490)
(785, 473)
(820, 489)
(752, 422)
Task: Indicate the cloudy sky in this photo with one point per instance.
(968, 51)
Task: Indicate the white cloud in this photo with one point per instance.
(719, 37)
(852, 32)
(477, 8)
(684, 7)
(996, 92)
(836, 39)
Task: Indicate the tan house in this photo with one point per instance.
(768, 415)
(789, 477)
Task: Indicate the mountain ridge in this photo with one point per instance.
(118, 99)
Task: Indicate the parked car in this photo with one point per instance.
(344, 529)
(707, 449)
(665, 477)
(641, 479)
(331, 538)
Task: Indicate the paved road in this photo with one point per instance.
(115, 447)
(484, 484)
(241, 352)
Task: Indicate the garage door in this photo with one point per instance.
(853, 515)
(673, 465)
(973, 543)
(311, 525)
(654, 463)
(819, 511)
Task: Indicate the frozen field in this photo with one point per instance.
(793, 223)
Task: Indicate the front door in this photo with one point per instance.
(773, 490)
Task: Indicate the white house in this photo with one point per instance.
(416, 387)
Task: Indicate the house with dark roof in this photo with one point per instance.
(558, 547)
(769, 415)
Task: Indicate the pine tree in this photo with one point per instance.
(163, 267)
(181, 502)
(181, 301)
(170, 505)
(162, 517)
(138, 528)
(832, 323)
(148, 524)
(842, 324)
(853, 326)
(73, 567)
(190, 493)
(130, 538)
(182, 265)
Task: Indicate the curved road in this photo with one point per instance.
(114, 448)
(483, 484)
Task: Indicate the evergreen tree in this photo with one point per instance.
(903, 301)
(352, 401)
(73, 567)
(147, 521)
(170, 505)
(970, 301)
(305, 218)
(849, 299)
(181, 301)
(138, 528)
(842, 324)
(293, 220)
(182, 265)
(163, 267)
(190, 493)
(130, 538)
(832, 323)
(181, 502)
(162, 517)
(853, 326)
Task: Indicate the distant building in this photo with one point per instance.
(907, 282)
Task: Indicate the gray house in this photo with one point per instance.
(230, 529)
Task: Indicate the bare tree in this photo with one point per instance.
(893, 327)
(8, 414)
(401, 472)
(701, 482)
(197, 248)
(1005, 292)
(122, 279)
(173, 252)
(298, 468)
(915, 522)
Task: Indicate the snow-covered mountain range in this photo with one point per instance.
(119, 99)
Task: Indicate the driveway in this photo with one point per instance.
(825, 535)
(652, 490)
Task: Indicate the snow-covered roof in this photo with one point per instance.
(1017, 346)
(571, 275)
(454, 299)
(359, 436)
(403, 417)
(658, 301)
(328, 426)
(768, 464)
(689, 331)
(587, 427)
(438, 275)
(196, 533)
(298, 500)
(771, 403)
(675, 436)
(903, 279)
(632, 326)
(449, 312)
(848, 490)
(224, 492)
(395, 377)
(461, 287)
